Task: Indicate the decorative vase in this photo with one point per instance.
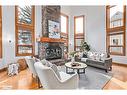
(73, 59)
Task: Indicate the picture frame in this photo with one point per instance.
(53, 29)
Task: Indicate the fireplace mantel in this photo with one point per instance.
(49, 40)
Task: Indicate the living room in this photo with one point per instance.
(93, 28)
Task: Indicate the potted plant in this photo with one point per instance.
(85, 47)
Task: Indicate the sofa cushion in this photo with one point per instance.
(84, 59)
(94, 62)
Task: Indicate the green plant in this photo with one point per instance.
(72, 53)
(85, 46)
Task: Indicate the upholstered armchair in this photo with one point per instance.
(50, 80)
(30, 62)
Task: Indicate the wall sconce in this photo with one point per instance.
(10, 41)
(70, 43)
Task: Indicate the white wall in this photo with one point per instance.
(67, 10)
(94, 25)
(38, 26)
(8, 33)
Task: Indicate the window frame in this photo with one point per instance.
(115, 31)
(0, 32)
(67, 28)
(25, 27)
(78, 34)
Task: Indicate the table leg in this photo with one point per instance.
(84, 71)
(78, 72)
(66, 70)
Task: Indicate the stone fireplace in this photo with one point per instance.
(51, 49)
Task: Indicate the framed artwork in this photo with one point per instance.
(53, 29)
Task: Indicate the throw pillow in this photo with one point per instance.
(36, 59)
(80, 54)
(46, 63)
(97, 57)
(89, 55)
(103, 56)
(92, 56)
(84, 55)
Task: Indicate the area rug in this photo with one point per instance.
(94, 78)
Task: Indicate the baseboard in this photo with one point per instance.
(120, 64)
(3, 69)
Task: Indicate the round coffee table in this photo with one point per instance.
(79, 68)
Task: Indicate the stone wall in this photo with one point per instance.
(49, 13)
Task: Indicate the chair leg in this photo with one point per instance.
(32, 75)
(106, 71)
(110, 68)
(38, 82)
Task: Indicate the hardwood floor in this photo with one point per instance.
(24, 80)
(119, 79)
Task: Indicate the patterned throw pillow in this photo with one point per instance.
(97, 57)
(103, 56)
(91, 56)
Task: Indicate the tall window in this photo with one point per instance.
(115, 28)
(64, 30)
(0, 32)
(24, 30)
(78, 32)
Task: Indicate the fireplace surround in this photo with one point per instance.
(53, 51)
